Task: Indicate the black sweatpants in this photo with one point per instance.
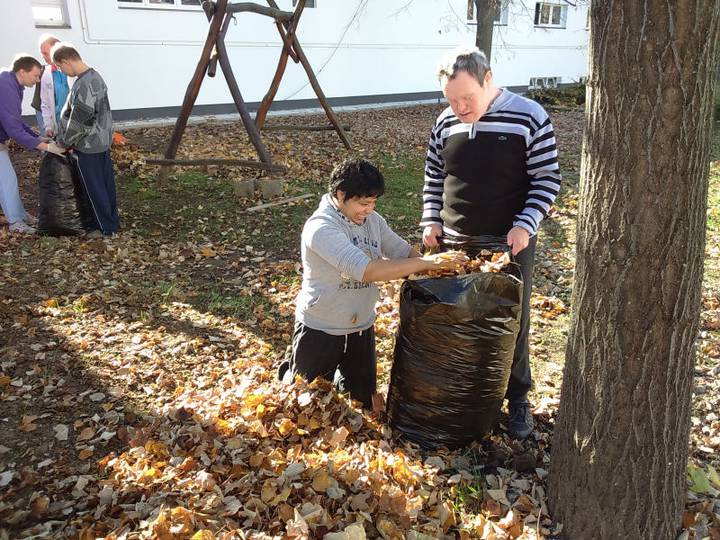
(349, 361)
(98, 182)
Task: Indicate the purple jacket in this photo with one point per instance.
(11, 124)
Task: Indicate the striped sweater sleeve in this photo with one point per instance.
(544, 172)
(434, 176)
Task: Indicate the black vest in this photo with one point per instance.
(487, 182)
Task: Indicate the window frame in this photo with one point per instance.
(49, 23)
(177, 5)
(563, 7)
(502, 19)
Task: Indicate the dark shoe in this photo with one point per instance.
(520, 420)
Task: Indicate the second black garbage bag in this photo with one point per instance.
(64, 208)
(453, 355)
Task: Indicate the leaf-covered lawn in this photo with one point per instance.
(137, 387)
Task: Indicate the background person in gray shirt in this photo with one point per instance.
(86, 128)
(347, 246)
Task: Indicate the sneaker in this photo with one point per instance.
(22, 227)
(520, 420)
(31, 220)
(95, 233)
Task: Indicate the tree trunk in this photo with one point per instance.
(485, 13)
(620, 447)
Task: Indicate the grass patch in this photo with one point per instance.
(223, 305)
(401, 205)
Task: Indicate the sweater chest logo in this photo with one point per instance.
(364, 242)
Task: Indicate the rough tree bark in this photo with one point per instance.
(620, 447)
(486, 12)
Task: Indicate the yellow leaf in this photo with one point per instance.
(256, 460)
(203, 534)
(157, 448)
(281, 497)
(182, 519)
(268, 492)
(321, 481)
(150, 473)
(85, 453)
(207, 252)
(253, 400)
(286, 426)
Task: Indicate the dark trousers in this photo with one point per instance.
(349, 361)
(98, 182)
(520, 378)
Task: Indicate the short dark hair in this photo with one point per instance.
(64, 51)
(357, 178)
(471, 60)
(23, 62)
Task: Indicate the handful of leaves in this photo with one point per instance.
(485, 261)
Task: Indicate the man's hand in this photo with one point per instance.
(518, 239)
(45, 139)
(53, 148)
(431, 233)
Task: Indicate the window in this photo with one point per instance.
(550, 15)
(50, 13)
(544, 82)
(501, 18)
(162, 4)
(308, 3)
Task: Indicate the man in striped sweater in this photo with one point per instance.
(491, 169)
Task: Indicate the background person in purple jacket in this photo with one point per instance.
(25, 73)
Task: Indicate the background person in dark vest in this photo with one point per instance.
(491, 169)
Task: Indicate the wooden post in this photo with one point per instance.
(316, 86)
(193, 88)
(247, 121)
(267, 100)
(209, 8)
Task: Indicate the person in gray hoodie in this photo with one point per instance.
(346, 247)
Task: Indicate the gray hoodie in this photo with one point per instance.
(335, 254)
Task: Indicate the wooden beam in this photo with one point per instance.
(282, 127)
(279, 202)
(193, 88)
(316, 87)
(267, 100)
(209, 8)
(220, 161)
(274, 12)
(252, 131)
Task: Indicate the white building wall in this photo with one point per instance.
(356, 48)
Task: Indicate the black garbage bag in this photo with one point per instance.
(64, 209)
(453, 354)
